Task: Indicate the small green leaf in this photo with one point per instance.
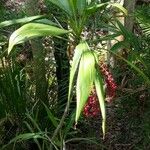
(33, 30)
(85, 80)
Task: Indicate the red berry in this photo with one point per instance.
(91, 109)
(110, 83)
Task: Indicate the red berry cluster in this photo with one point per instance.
(110, 83)
(91, 109)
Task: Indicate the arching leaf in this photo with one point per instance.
(33, 30)
(17, 21)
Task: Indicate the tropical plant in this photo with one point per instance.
(85, 62)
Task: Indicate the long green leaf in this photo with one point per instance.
(96, 7)
(26, 136)
(77, 56)
(17, 21)
(100, 93)
(91, 9)
(85, 80)
(32, 30)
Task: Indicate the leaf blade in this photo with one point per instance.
(32, 30)
(85, 79)
(80, 48)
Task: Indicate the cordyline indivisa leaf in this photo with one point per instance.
(76, 59)
(100, 93)
(33, 30)
(85, 80)
(98, 82)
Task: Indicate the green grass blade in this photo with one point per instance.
(51, 116)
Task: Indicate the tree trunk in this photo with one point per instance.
(38, 57)
(130, 6)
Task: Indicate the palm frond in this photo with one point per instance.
(142, 15)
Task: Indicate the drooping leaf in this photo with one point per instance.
(33, 30)
(77, 56)
(85, 80)
(100, 93)
(22, 20)
(98, 82)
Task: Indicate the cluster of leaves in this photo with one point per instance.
(84, 67)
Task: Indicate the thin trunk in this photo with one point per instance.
(38, 57)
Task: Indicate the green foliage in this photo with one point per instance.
(55, 130)
(19, 21)
(142, 15)
(33, 30)
(12, 90)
